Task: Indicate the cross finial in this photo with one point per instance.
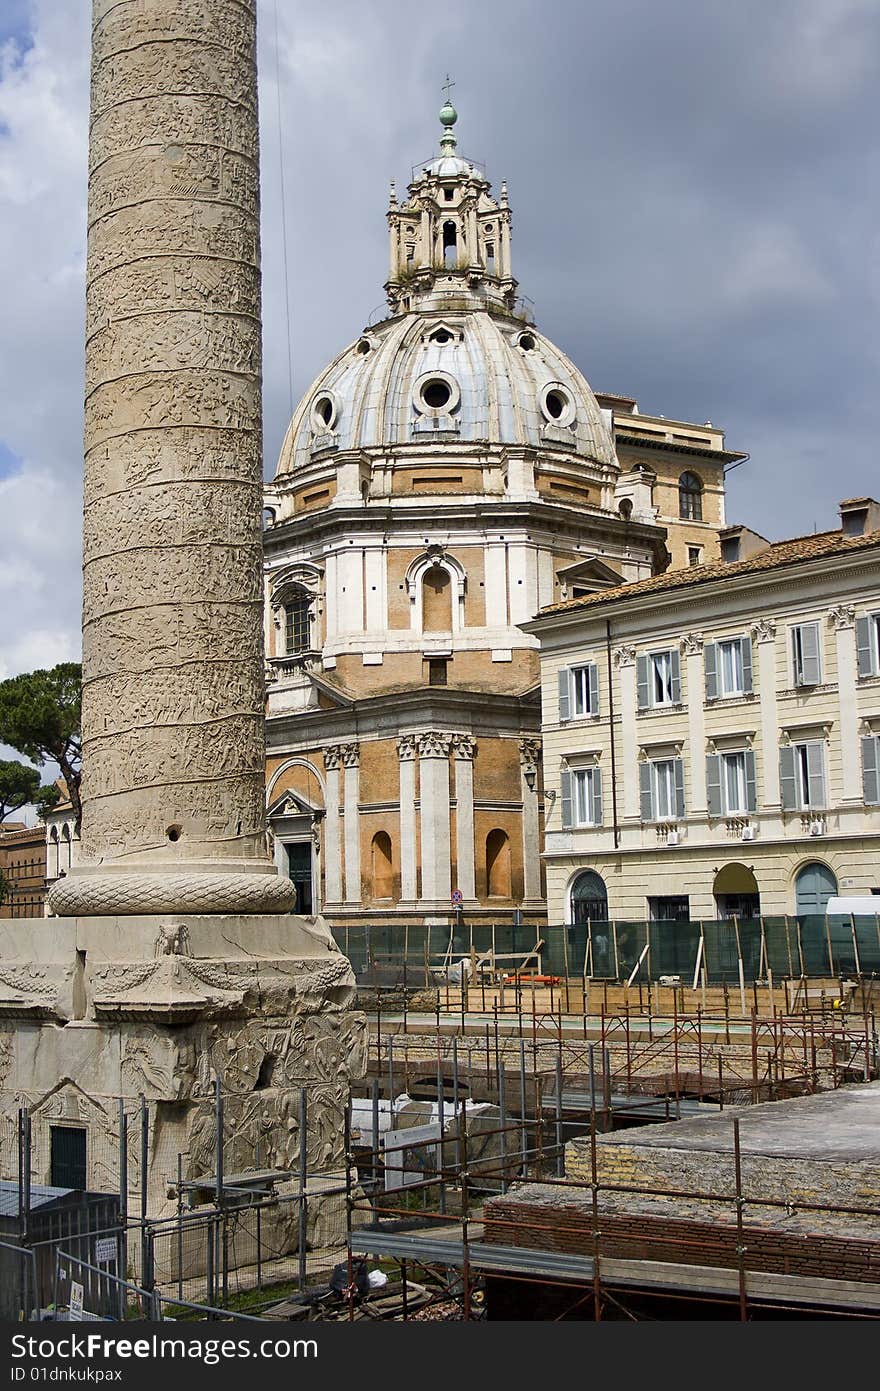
(447, 88)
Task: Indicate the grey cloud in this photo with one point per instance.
(693, 184)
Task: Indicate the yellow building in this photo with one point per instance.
(673, 473)
(712, 735)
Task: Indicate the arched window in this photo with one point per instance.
(297, 623)
(450, 246)
(382, 866)
(498, 864)
(589, 898)
(690, 497)
(437, 600)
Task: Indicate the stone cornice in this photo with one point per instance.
(477, 513)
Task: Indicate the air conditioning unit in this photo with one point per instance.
(817, 828)
(672, 837)
(747, 833)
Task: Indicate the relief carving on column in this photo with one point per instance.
(464, 746)
(406, 748)
(624, 656)
(841, 617)
(764, 630)
(434, 744)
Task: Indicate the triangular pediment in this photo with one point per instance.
(291, 804)
(591, 574)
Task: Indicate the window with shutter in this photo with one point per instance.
(710, 667)
(751, 781)
(565, 798)
(644, 691)
(815, 775)
(678, 774)
(868, 644)
(586, 797)
(733, 783)
(646, 792)
(659, 679)
(787, 778)
(802, 776)
(584, 689)
(564, 695)
(713, 784)
(871, 769)
(806, 665)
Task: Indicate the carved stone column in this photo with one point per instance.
(464, 748)
(173, 748)
(406, 752)
(172, 957)
(435, 820)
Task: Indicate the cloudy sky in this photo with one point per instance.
(694, 185)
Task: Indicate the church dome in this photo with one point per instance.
(471, 376)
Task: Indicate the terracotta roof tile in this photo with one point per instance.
(777, 555)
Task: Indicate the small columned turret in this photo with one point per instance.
(449, 241)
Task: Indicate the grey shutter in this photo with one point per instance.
(594, 688)
(810, 671)
(564, 695)
(746, 649)
(678, 765)
(751, 782)
(642, 678)
(871, 769)
(710, 662)
(863, 646)
(675, 666)
(788, 777)
(713, 783)
(596, 794)
(647, 801)
(565, 789)
(816, 774)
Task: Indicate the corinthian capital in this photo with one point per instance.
(434, 744)
(464, 746)
(842, 616)
(406, 748)
(332, 756)
(624, 656)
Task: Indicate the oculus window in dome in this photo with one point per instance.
(458, 353)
